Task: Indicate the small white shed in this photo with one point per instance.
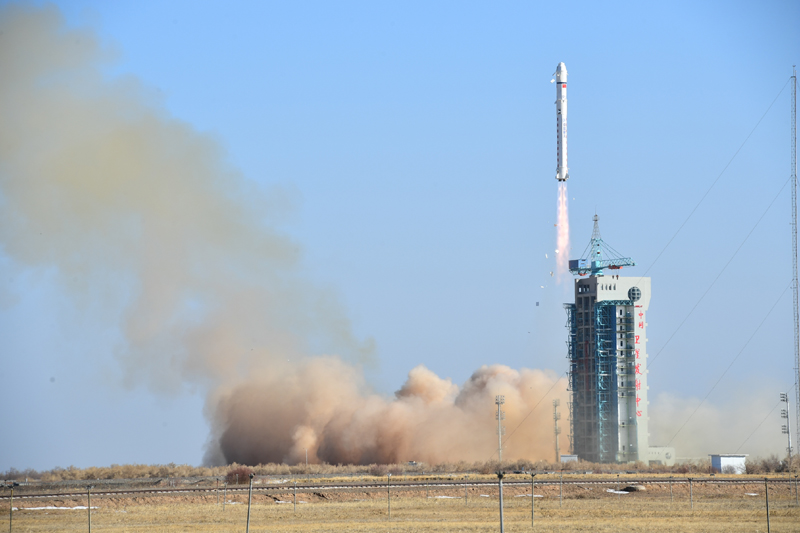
(569, 458)
(728, 463)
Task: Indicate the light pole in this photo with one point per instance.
(786, 428)
(501, 415)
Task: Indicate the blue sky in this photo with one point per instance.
(416, 142)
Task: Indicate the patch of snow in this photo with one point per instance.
(616, 491)
(52, 508)
(528, 496)
(750, 494)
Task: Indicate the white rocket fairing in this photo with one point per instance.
(562, 171)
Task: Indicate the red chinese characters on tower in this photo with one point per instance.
(638, 369)
(637, 353)
(637, 339)
(638, 385)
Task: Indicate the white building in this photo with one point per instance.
(729, 463)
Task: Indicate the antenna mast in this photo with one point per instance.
(501, 430)
(556, 418)
(795, 309)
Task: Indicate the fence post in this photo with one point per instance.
(295, 496)
(533, 497)
(500, 479)
(465, 490)
(389, 494)
(11, 510)
(89, 506)
(691, 494)
(670, 490)
(560, 491)
(766, 495)
(249, 500)
(224, 494)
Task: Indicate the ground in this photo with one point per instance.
(584, 507)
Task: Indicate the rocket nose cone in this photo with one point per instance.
(561, 72)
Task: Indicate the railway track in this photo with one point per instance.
(401, 485)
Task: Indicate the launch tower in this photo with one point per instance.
(607, 345)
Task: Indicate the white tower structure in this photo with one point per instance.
(608, 357)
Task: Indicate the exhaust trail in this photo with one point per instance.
(562, 236)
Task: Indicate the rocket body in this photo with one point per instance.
(562, 171)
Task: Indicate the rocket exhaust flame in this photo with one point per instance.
(562, 237)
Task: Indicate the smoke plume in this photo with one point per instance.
(138, 212)
(562, 239)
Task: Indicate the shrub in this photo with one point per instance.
(378, 470)
(238, 474)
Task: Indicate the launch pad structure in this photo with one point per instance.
(607, 352)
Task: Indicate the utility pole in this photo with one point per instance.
(500, 415)
(786, 428)
(795, 309)
(556, 418)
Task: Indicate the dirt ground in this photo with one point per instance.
(584, 507)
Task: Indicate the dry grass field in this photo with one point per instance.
(717, 508)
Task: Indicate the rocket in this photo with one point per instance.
(562, 171)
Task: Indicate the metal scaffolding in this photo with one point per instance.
(599, 349)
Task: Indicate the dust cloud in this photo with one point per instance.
(734, 423)
(139, 213)
(324, 407)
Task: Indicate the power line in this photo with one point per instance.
(720, 272)
(702, 198)
(731, 364)
(760, 423)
